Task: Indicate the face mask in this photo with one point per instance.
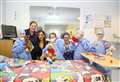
(52, 40)
(22, 38)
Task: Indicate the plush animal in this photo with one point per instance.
(28, 45)
(49, 53)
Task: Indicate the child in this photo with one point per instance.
(21, 48)
(102, 46)
(83, 46)
(68, 46)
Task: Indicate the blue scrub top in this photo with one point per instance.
(82, 47)
(19, 52)
(101, 46)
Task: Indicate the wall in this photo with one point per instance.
(119, 17)
(0, 15)
(100, 11)
(17, 15)
(0, 11)
(17, 12)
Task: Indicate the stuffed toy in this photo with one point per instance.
(49, 53)
(74, 40)
(28, 45)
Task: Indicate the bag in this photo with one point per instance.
(68, 55)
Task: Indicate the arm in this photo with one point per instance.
(88, 46)
(18, 47)
(59, 47)
(109, 48)
(45, 49)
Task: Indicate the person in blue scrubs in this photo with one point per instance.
(101, 45)
(18, 50)
(68, 46)
(83, 46)
(102, 48)
(64, 47)
(59, 46)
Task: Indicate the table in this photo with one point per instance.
(59, 71)
(105, 61)
(6, 47)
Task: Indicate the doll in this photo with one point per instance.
(49, 53)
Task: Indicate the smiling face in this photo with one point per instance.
(79, 34)
(66, 38)
(33, 27)
(52, 37)
(41, 36)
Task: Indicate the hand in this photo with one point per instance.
(27, 50)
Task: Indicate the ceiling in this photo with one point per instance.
(55, 15)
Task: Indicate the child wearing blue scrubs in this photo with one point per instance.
(102, 48)
(19, 49)
(101, 45)
(83, 46)
(59, 46)
(64, 47)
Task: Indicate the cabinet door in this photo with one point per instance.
(6, 47)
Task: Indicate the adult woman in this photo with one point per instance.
(39, 45)
(31, 32)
